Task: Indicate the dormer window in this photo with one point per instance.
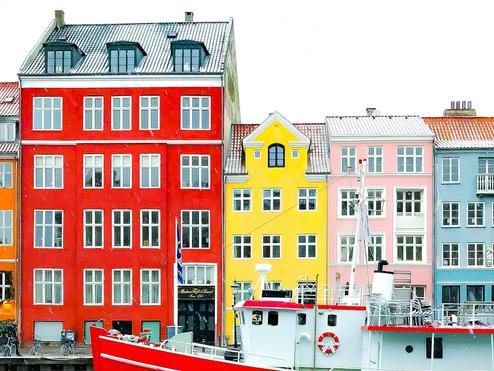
(61, 56)
(188, 56)
(276, 155)
(124, 56)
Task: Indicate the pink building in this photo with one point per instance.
(399, 189)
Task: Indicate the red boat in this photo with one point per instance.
(121, 353)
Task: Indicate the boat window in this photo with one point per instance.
(301, 319)
(272, 318)
(438, 347)
(257, 317)
(332, 320)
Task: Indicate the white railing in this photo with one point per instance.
(485, 183)
(328, 295)
(412, 313)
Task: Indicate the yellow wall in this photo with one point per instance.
(9, 201)
(289, 222)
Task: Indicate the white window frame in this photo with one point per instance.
(347, 241)
(450, 216)
(122, 157)
(348, 200)
(43, 168)
(52, 110)
(271, 198)
(5, 229)
(122, 227)
(450, 160)
(476, 212)
(92, 168)
(201, 108)
(245, 194)
(271, 244)
(149, 110)
(7, 128)
(200, 226)
(371, 211)
(295, 153)
(93, 225)
(240, 241)
(150, 285)
(44, 283)
(478, 255)
(92, 112)
(257, 154)
(93, 284)
(373, 245)
(53, 226)
(414, 246)
(348, 155)
(149, 158)
(4, 172)
(3, 284)
(244, 291)
(448, 248)
(403, 157)
(375, 156)
(150, 227)
(305, 245)
(122, 284)
(121, 111)
(411, 201)
(307, 198)
(189, 169)
(204, 269)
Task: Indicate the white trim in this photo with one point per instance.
(93, 225)
(123, 81)
(236, 178)
(369, 139)
(271, 199)
(306, 244)
(149, 109)
(118, 141)
(121, 225)
(315, 177)
(271, 246)
(150, 283)
(135, 363)
(121, 283)
(338, 249)
(149, 155)
(242, 245)
(200, 108)
(383, 200)
(254, 145)
(43, 225)
(339, 208)
(93, 155)
(441, 257)
(150, 225)
(384, 248)
(241, 199)
(442, 170)
(52, 110)
(303, 141)
(189, 168)
(441, 215)
(307, 198)
(53, 167)
(93, 97)
(190, 226)
(121, 110)
(85, 303)
(476, 213)
(121, 167)
(43, 286)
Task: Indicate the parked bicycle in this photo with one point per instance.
(37, 348)
(67, 343)
(8, 340)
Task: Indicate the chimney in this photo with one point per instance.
(460, 108)
(189, 16)
(370, 111)
(59, 18)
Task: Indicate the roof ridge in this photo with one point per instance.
(139, 23)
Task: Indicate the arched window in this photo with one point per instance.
(276, 155)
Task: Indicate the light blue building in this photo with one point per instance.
(464, 207)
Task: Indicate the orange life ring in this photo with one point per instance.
(325, 346)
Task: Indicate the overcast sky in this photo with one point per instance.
(308, 59)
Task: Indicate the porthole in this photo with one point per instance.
(409, 349)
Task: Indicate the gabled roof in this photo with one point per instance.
(462, 132)
(92, 40)
(377, 126)
(9, 99)
(318, 147)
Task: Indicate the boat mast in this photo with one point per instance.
(353, 298)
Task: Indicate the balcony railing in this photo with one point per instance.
(485, 183)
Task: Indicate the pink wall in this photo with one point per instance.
(389, 180)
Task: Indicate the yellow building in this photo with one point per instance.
(275, 207)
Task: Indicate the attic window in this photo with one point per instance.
(8, 100)
(124, 56)
(61, 56)
(188, 56)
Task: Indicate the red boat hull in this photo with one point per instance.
(110, 353)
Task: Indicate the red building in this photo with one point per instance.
(122, 135)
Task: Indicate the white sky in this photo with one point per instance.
(308, 59)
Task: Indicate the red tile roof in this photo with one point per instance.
(462, 132)
(9, 99)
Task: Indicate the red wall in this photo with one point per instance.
(73, 199)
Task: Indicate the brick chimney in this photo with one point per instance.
(458, 108)
(189, 17)
(59, 18)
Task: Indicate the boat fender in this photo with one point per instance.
(328, 347)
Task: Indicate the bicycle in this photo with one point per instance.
(67, 343)
(9, 348)
(36, 349)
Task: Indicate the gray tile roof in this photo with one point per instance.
(9, 99)
(377, 126)
(318, 149)
(153, 38)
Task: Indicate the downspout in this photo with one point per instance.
(223, 211)
(18, 288)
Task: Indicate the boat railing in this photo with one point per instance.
(212, 352)
(332, 295)
(413, 313)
